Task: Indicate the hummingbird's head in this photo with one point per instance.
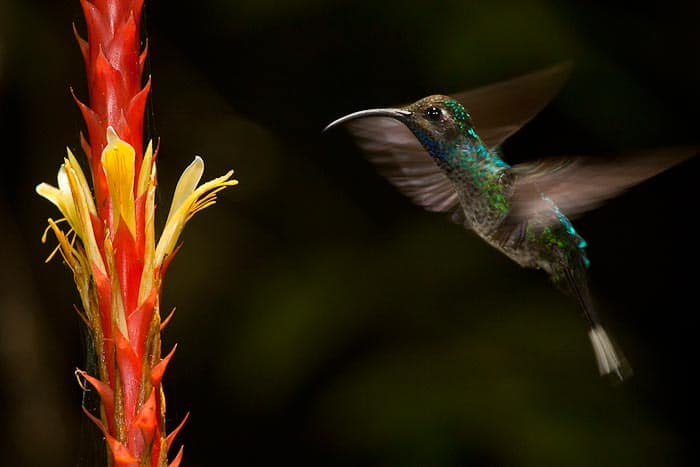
(439, 122)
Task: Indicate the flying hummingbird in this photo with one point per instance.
(443, 152)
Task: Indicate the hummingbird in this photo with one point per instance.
(444, 153)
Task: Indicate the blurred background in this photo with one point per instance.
(322, 319)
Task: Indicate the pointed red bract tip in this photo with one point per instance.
(142, 58)
(156, 148)
(82, 43)
(92, 121)
(168, 259)
(97, 28)
(167, 319)
(171, 436)
(134, 119)
(106, 393)
(159, 369)
(120, 453)
(178, 458)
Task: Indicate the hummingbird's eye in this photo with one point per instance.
(433, 113)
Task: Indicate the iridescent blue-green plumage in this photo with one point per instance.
(485, 186)
(447, 161)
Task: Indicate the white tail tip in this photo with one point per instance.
(610, 361)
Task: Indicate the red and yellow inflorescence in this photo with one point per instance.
(110, 243)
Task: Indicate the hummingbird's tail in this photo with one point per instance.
(610, 360)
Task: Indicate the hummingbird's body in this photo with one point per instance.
(433, 152)
(485, 187)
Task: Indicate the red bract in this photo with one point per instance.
(114, 64)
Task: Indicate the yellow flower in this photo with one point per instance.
(118, 159)
(75, 201)
(188, 200)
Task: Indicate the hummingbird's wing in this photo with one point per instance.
(579, 184)
(500, 109)
(400, 157)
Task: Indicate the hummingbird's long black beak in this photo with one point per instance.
(393, 113)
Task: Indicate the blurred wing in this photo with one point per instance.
(500, 109)
(579, 184)
(401, 158)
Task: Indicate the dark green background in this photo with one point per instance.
(322, 319)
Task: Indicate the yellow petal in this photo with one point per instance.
(117, 309)
(149, 251)
(145, 172)
(61, 197)
(186, 185)
(53, 194)
(73, 163)
(83, 227)
(74, 199)
(63, 184)
(186, 202)
(118, 165)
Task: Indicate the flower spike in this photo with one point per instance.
(106, 235)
